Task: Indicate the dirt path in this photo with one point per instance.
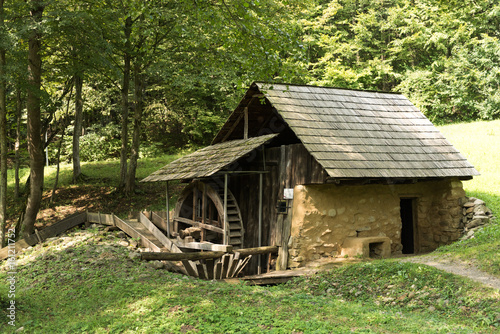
(458, 268)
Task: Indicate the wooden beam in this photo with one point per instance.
(230, 131)
(258, 250)
(200, 225)
(206, 246)
(245, 131)
(259, 265)
(168, 212)
(203, 211)
(210, 268)
(181, 256)
(225, 223)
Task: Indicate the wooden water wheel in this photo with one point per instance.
(202, 205)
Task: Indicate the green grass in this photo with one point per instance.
(480, 143)
(90, 285)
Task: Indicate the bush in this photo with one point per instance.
(98, 144)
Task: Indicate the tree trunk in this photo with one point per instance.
(35, 144)
(3, 137)
(58, 165)
(139, 106)
(125, 89)
(77, 171)
(17, 146)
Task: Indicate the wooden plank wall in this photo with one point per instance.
(287, 166)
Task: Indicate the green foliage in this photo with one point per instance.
(443, 57)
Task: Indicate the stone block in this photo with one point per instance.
(361, 246)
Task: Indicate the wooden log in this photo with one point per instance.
(234, 262)
(197, 224)
(180, 256)
(258, 250)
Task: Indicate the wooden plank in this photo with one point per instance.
(159, 221)
(158, 234)
(19, 246)
(206, 246)
(234, 262)
(201, 271)
(181, 256)
(190, 269)
(218, 270)
(210, 268)
(200, 225)
(125, 227)
(241, 266)
(100, 218)
(63, 225)
(225, 265)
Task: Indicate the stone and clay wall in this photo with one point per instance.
(325, 215)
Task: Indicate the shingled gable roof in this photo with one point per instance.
(360, 134)
(209, 160)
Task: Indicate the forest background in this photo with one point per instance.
(100, 79)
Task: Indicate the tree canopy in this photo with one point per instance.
(129, 78)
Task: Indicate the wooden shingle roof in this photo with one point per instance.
(364, 134)
(209, 160)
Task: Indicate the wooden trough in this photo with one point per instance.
(199, 259)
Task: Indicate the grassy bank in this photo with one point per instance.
(480, 143)
(87, 283)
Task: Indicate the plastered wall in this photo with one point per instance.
(324, 215)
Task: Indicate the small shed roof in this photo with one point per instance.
(361, 134)
(209, 160)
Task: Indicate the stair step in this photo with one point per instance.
(234, 234)
(234, 226)
(235, 241)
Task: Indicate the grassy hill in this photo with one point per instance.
(87, 282)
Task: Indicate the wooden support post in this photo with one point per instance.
(168, 212)
(203, 211)
(259, 268)
(245, 134)
(225, 210)
(195, 202)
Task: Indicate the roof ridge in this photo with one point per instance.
(328, 87)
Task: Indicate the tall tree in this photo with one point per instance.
(35, 143)
(3, 130)
(77, 129)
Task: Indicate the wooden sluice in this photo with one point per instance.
(214, 261)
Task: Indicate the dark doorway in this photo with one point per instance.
(408, 225)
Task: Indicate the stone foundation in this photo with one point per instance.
(475, 215)
(324, 216)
